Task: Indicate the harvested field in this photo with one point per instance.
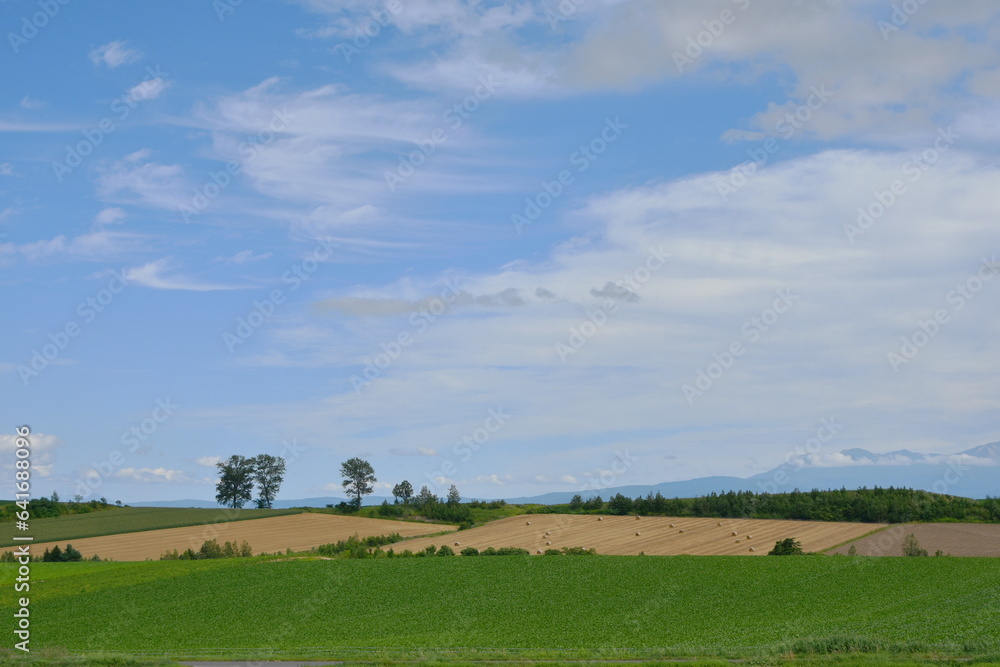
(956, 539)
(659, 535)
(297, 532)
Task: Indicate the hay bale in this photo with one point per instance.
(527, 523)
(547, 532)
(637, 518)
(737, 541)
(719, 524)
(539, 551)
(637, 533)
(672, 526)
(749, 537)
(681, 530)
(600, 518)
(458, 544)
(752, 549)
(548, 544)
(735, 533)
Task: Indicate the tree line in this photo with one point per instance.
(876, 505)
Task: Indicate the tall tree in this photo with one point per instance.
(425, 497)
(235, 485)
(403, 492)
(359, 476)
(268, 473)
(453, 496)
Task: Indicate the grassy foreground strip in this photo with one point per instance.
(128, 520)
(561, 608)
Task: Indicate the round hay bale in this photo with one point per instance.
(527, 523)
(752, 549)
(681, 530)
(600, 518)
(735, 533)
(548, 543)
(548, 532)
(737, 541)
(672, 526)
(539, 551)
(749, 537)
(637, 518)
(458, 544)
(719, 524)
(637, 533)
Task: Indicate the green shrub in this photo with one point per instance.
(578, 551)
(786, 547)
(470, 551)
(446, 551)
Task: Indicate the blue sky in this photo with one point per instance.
(505, 245)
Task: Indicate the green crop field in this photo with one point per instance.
(126, 520)
(614, 605)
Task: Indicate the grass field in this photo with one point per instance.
(127, 520)
(548, 606)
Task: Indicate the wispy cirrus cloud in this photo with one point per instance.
(158, 275)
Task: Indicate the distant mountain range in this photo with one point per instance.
(974, 473)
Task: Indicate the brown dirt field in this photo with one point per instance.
(297, 532)
(617, 535)
(957, 539)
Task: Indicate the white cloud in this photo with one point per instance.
(150, 89)
(152, 475)
(209, 461)
(244, 257)
(419, 451)
(43, 448)
(616, 45)
(134, 179)
(6, 169)
(28, 103)
(110, 216)
(785, 229)
(114, 54)
(153, 275)
(95, 245)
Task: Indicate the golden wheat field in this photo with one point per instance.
(627, 535)
(297, 532)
